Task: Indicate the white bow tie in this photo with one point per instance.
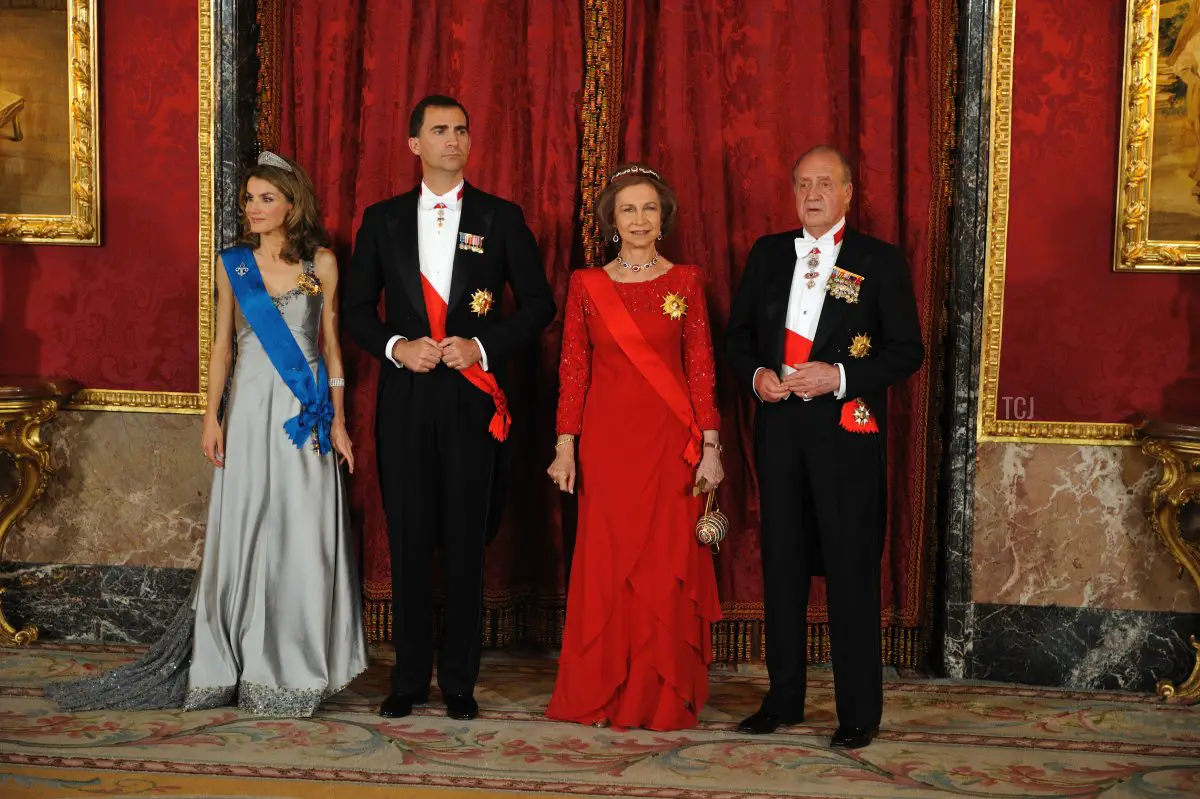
(806, 243)
(431, 201)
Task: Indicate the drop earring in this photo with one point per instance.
(616, 238)
(660, 236)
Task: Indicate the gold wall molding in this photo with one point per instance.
(81, 224)
(1134, 250)
(989, 427)
(99, 399)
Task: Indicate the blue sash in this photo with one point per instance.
(316, 407)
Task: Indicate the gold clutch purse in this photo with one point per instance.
(712, 525)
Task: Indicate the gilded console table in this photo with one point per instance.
(26, 403)
(1177, 449)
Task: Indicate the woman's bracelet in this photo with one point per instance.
(714, 445)
(337, 382)
(564, 440)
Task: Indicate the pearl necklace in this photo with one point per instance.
(637, 267)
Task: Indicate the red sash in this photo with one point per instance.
(435, 306)
(644, 357)
(796, 348)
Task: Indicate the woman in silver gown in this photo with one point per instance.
(274, 622)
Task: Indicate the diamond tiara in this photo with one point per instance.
(268, 158)
(635, 170)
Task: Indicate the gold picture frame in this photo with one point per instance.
(1158, 191)
(990, 428)
(81, 222)
(183, 402)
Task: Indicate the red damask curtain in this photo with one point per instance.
(351, 72)
(721, 97)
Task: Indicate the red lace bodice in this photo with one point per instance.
(684, 344)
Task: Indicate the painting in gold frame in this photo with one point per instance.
(1158, 196)
(49, 138)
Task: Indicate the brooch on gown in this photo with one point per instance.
(309, 284)
(860, 346)
(674, 306)
(482, 302)
(844, 285)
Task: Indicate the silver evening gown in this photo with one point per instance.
(275, 621)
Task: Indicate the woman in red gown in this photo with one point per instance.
(637, 388)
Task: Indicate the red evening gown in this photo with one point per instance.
(643, 592)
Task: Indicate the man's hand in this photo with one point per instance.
(420, 355)
(768, 387)
(459, 353)
(813, 379)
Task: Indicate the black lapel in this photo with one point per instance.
(475, 220)
(402, 222)
(833, 309)
(779, 290)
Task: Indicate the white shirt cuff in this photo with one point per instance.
(841, 392)
(482, 354)
(388, 352)
(754, 382)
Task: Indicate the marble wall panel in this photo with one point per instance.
(1066, 525)
(131, 488)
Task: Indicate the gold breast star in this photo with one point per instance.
(860, 346)
(674, 306)
(309, 284)
(482, 302)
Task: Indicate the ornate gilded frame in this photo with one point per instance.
(181, 401)
(989, 427)
(82, 224)
(1134, 250)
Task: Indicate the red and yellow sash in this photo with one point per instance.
(644, 357)
(436, 307)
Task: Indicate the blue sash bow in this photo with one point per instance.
(316, 407)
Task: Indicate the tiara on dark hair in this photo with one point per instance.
(268, 158)
(635, 170)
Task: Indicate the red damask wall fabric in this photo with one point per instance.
(723, 97)
(1080, 342)
(353, 70)
(123, 315)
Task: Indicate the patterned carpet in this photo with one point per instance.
(938, 740)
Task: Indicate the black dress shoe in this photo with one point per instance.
(853, 737)
(461, 706)
(765, 722)
(397, 706)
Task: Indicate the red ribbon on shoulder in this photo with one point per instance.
(644, 357)
(436, 307)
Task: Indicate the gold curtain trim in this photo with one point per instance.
(733, 640)
(604, 32)
(269, 16)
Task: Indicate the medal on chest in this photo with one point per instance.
(812, 262)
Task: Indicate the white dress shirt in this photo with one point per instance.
(804, 303)
(436, 246)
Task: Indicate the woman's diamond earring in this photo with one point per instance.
(616, 238)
